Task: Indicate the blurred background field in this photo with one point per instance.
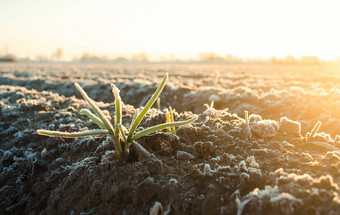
(305, 93)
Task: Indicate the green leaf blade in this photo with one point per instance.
(93, 117)
(72, 135)
(95, 108)
(121, 129)
(118, 107)
(148, 105)
(163, 126)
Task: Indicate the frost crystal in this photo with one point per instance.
(285, 202)
(289, 126)
(156, 209)
(252, 162)
(243, 166)
(207, 170)
(265, 128)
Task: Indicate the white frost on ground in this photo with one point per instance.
(27, 158)
(263, 128)
(108, 157)
(288, 126)
(85, 163)
(207, 170)
(252, 162)
(284, 202)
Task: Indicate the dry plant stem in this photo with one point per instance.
(142, 153)
(315, 129)
(248, 131)
(212, 104)
(216, 77)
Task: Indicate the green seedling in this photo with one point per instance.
(170, 119)
(121, 137)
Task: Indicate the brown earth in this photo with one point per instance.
(214, 166)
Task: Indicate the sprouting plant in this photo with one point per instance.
(170, 119)
(121, 137)
(211, 106)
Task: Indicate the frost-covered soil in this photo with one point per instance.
(218, 165)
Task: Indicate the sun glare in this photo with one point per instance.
(248, 29)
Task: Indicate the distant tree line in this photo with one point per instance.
(8, 58)
(205, 57)
(288, 60)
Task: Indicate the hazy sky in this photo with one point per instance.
(181, 27)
